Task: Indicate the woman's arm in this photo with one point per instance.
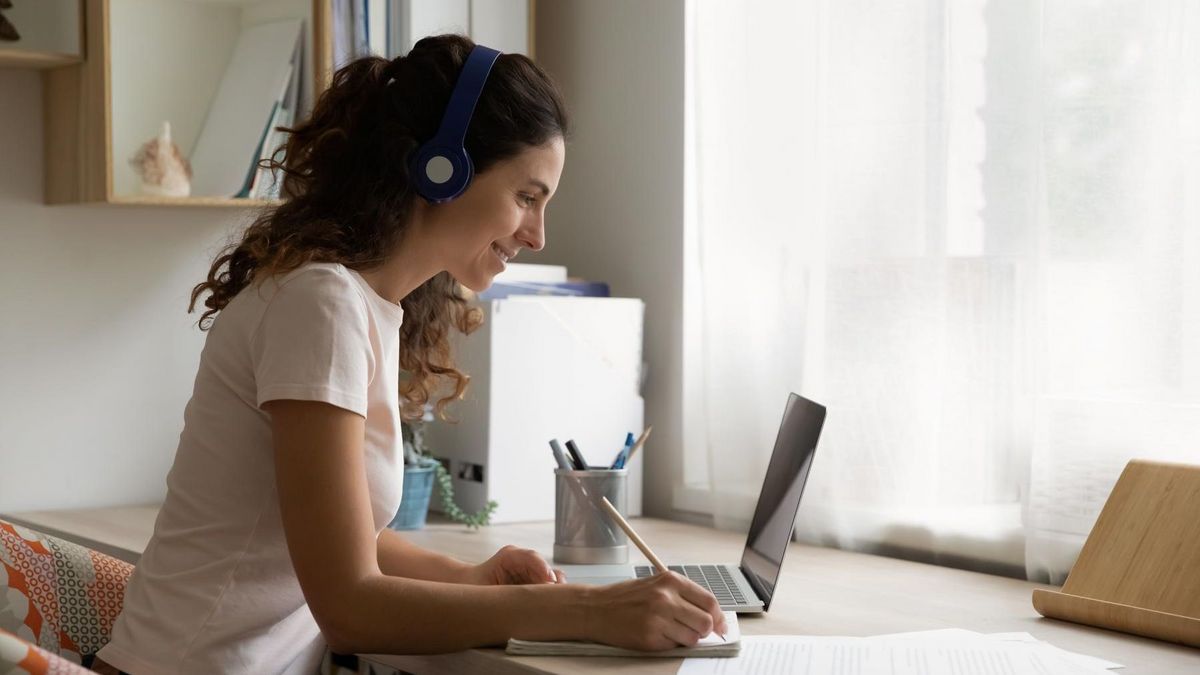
(399, 557)
(326, 512)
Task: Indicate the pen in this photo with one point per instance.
(576, 456)
(619, 462)
(558, 455)
(659, 567)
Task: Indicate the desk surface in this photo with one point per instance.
(820, 592)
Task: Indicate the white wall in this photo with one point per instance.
(618, 214)
(97, 352)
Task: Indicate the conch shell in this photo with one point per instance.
(163, 168)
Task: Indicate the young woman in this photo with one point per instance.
(272, 542)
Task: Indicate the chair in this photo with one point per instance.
(59, 601)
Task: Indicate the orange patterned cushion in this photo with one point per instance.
(57, 595)
(19, 657)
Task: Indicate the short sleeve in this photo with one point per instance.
(313, 342)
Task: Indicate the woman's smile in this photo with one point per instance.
(503, 255)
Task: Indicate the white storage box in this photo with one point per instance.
(542, 367)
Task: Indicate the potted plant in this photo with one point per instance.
(420, 471)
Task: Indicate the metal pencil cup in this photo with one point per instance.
(583, 531)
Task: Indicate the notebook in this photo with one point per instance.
(710, 645)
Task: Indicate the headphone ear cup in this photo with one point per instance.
(441, 169)
(440, 173)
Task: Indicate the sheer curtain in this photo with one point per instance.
(972, 230)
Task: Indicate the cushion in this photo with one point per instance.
(57, 595)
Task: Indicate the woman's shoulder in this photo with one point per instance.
(322, 279)
(306, 289)
(318, 274)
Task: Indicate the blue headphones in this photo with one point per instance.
(441, 169)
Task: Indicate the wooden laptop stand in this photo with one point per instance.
(1139, 571)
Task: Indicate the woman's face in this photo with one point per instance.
(502, 212)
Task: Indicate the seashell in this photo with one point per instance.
(162, 167)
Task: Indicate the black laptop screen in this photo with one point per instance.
(775, 515)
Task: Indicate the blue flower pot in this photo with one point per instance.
(418, 486)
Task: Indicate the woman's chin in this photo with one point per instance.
(480, 284)
(478, 280)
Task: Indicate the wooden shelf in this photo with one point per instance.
(82, 162)
(15, 58)
(150, 200)
(78, 123)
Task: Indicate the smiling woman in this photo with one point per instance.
(350, 198)
(271, 545)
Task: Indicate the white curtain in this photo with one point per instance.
(972, 230)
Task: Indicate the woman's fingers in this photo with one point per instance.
(525, 566)
(695, 618)
(705, 601)
(681, 634)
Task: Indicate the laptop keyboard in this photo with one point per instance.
(715, 578)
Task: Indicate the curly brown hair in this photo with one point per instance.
(347, 197)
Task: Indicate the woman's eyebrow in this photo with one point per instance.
(539, 185)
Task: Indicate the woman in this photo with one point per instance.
(272, 542)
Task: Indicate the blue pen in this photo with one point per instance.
(619, 462)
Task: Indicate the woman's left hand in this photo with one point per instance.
(513, 565)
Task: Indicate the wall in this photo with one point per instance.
(618, 214)
(97, 352)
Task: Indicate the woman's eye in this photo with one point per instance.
(527, 200)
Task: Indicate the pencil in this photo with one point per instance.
(641, 439)
(659, 567)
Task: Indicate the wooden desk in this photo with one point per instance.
(821, 592)
(119, 531)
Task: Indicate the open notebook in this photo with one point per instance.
(710, 645)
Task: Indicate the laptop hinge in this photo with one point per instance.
(752, 579)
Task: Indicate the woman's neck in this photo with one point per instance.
(414, 262)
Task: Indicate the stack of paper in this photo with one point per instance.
(711, 645)
(938, 652)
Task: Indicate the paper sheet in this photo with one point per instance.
(960, 633)
(921, 655)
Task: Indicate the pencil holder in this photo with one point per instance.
(583, 531)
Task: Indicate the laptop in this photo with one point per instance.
(748, 587)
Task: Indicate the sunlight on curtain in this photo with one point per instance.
(972, 230)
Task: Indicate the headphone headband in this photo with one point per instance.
(441, 168)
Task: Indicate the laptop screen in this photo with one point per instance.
(775, 515)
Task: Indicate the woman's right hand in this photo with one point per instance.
(653, 613)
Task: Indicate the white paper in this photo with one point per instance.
(1083, 659)
(960, 633)
(799, 655)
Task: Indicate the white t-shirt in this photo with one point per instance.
(215, 590)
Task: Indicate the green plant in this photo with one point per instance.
(471, 520)
(416, 453)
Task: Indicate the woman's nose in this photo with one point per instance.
(535, 236)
